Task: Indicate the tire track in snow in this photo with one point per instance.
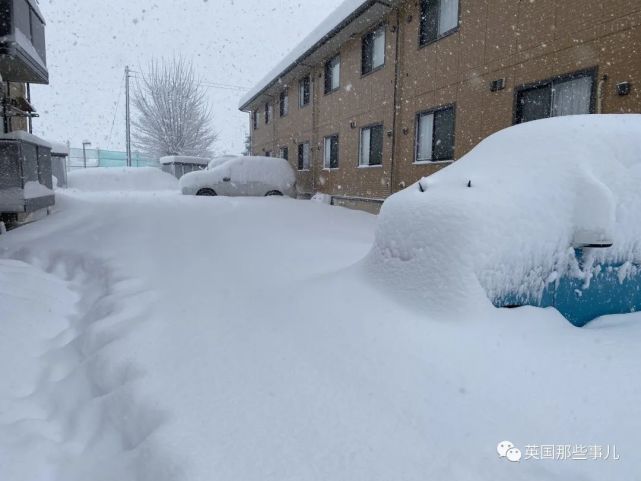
(92, 418)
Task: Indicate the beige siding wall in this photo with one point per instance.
(522, 42)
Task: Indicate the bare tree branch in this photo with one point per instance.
(173, 116)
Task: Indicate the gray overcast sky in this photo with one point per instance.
(89, 42)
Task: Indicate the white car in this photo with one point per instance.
(242, 176)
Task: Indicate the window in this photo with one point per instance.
(438, 18)
(569, 95)
(38, 36)
(303, 156)
(22, 17)
(333, 74)
(255, 115)
(268, 112)
(331, 152)
(284, 153)
(371, 149)
(373, 50)
(435, 135)
(284, 103)
(304, 92)
(268, 153)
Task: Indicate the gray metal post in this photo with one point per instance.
(128, 115)
(85, 144)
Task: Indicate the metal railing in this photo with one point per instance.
(107, 158)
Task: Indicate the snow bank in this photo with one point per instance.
(34, 310)
(178, 159)
(268, 170)
(505, 218)
(102, 179)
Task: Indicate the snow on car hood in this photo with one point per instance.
(269, 170)
(507, 216)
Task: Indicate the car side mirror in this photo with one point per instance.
(227, 179)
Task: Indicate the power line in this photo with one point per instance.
(113, 124)
(215, 85)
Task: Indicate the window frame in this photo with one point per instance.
(255, 119)
(269, 112)
(329, 69)
(301, 95)
(338, 156)
(371, 32)
(591, 72)
(369, 165)
(283, 103)
(439, 36)
(301, 160)
(434, 111)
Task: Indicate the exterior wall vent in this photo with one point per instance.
(497, 85)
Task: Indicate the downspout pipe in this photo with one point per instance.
(600, 94)
(396, 106)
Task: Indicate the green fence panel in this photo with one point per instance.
(108, 158)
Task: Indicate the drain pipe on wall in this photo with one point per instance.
(396, 112)
(600, 91)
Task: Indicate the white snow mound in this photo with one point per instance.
(102, 179)
(507, 216)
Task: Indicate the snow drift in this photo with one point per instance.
(103, 179)
(508, 215)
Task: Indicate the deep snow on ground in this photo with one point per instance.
(103, 179)
(187, 339)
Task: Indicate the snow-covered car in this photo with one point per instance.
(546, 214)
(242, 176)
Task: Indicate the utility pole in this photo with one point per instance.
(85, 144)
(128, 115)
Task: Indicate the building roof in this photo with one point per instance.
(347, 13)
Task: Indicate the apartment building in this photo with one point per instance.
(384, 93)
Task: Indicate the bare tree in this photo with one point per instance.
(173, 116)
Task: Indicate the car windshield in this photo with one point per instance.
(320, 240)
(217, 162)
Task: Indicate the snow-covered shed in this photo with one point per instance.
(26, 181)
(178, 165)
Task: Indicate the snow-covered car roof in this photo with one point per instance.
(508, 214)
(217, 161)
(269, 170)
(183, 159)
